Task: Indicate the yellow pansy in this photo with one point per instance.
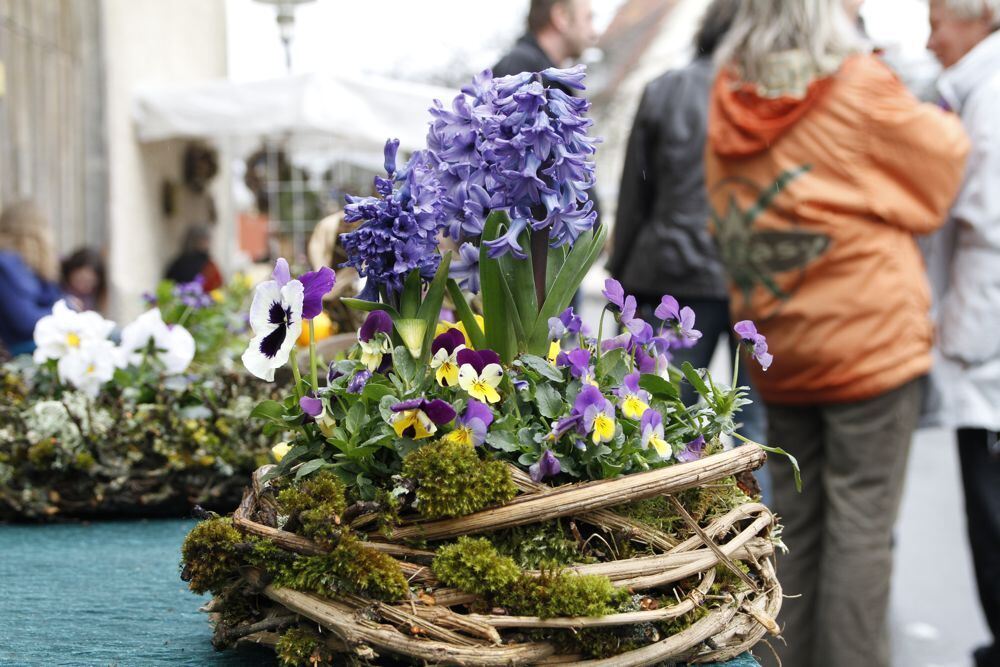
(633, 406)
(279, 451)
(554, 349)
(446, 366)
(481, 386)
(414, 423)
(443, 326)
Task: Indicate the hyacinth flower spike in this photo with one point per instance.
(419, 418)
(445, 349)
(479, 374)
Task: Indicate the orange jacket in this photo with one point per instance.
(815, 203)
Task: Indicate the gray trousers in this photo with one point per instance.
(839, 529)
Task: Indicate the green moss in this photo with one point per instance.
(209, 556)
(474, 565)
(565, 594)
(703, 503)
(302, 647)
(315, 504)
(453, 481)
(84, 461)
(350, 567)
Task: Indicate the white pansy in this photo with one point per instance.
(172, 345)
(65, 331)
(276, 320)
(88, 367)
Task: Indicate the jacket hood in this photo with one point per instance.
(746, 118)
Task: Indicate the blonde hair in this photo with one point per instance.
(762, 29)
(24, 229)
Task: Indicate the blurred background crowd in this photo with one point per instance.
(807, 164)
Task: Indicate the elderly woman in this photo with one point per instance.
(965, 38)
(821, 168)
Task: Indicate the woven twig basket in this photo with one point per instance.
(431, 628)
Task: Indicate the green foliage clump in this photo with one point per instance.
(209, 556)
(316, 503)
(302, 647)
(454, 481)
(474, 565)
(42, 453)
(703, 503)
(350, 567)
(539, 545)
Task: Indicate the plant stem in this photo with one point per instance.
(312, 357)
(295, 374)
(600, 332)
(736, 367)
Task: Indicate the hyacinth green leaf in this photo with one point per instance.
(520, 279)
(430, 309)
(554, 262)
(466, 316)
(498, 325)
(567, 281)
(409, 300)
(369, 306)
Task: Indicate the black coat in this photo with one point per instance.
(661, 239)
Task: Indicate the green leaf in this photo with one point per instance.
(269, 410)
(375, 392)
(696, 381)
(578, 261)
(385, 407)
(520, 279)
(356, 418)
(497, 320)
(542, 367)
(550, 403)
(791, 459)
(404, 365)
(554, 262)
(659, 387)
(409, 300)
(369, 306)
(412, 330)
(430, 309)
(503, 440)
(466, 315)
(309, 467)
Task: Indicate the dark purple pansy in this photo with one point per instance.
(448, 341)
(478, 359)
(332, 373)
(378, 321)
(548, 466)
(438, 411)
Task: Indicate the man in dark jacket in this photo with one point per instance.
(661, 242)
(558, 31)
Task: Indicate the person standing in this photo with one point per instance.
(661, 243)
(965, 39)
(28, 270)
(558, 31)
(821, 168)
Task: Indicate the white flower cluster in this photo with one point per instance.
(85, 356)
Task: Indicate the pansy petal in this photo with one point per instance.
(281, 273)
(316, 285)
(440, 412)
(311, 406)
(492, 374)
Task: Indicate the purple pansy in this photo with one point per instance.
(378, 321)
(478, 359)
(358, 381)
(634, 401)
(472, 425)
(447, 341)
(316, 285)
(567, 323)
(578, 360)
(419, 418)
(692, 451)
(614, 293)
(754, 342)
(679, 320)
(276, 321)
(651, 428)
(311, 405)
(597, 413)
(547, 466)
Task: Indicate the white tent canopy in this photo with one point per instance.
(348, 115)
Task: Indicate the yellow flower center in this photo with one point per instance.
(633, 407)
(72, 339)
(604, 428)
(461, 435)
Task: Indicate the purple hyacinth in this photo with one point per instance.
(513, 144)
(465, 267)
(547, 466)
(754, 342)
(399, 226)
